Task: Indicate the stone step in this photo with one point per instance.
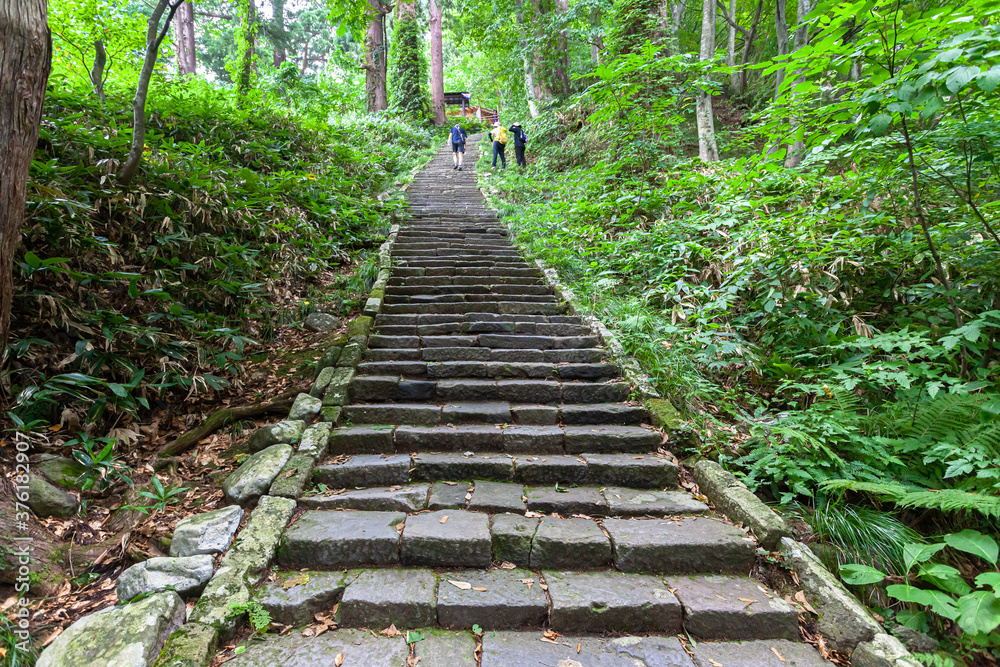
(505, 307)
(454, 538)
(512, 439)
(439, 370)
(462, 327)
(576, 356)
(494, 412)
(642, 471)
(467, 298)
(515, 648)
(504, 340)
(477, 318)
(446, 276)
(490, 497)
(383, 388)
(485, 288)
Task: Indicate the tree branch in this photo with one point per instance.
(731, 21)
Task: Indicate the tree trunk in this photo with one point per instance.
(97, 71)
(154, 37)
(281, 34)
(375, 60)
(676, 14)
(249, 45)
(187, 62)
(734, 77)
(437, 65)
(562, 68)
(528, 57)
(781, 30)
(708, 150)
(25, 62)
(795, 155)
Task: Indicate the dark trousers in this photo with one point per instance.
(499, 149)
(519, 154)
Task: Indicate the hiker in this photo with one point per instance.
(499, 134)
(458, 136)
(520, 141)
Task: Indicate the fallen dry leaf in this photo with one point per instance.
(462, 585)
(443, 519)
(339, 660)
(295, 580)
(775, 651)
(391, 631)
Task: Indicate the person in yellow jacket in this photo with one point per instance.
(500, 137)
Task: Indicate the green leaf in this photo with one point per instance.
(118, 389)
(940, 603)
(991, 579)
(961, 76)
(413, 636)
(32, 260)
(860, 575)
(975, 543)
(979, 612)
(988, 80)
(944, 577)
(879, 124)
(919, 553)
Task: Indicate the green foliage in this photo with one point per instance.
(408, 67)
(160, 495)
(77, 24)
(16, 651)
(259, 617)
(102, 467)
(976, 610)
(170, 287)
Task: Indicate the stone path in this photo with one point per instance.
(490, 476)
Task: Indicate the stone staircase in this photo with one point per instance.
(491, 487)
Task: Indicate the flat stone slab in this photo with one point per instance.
(526, 649)
(187, 574)
(447, 538)
(206, 533)
(118, 636)
(611, 439)
(635, 471)
(569, 544)
(315, 440)
(497, 497)
(652, 651)
(462, 466)
(379, 598)
(447, 496)
(362, 439)
(682, 546)
(539, 470)
(512, 536)
(727, 607)
(511, 599)
(365, 470)
(282, 433)
(408, 498)
(295, 596)
(321, 539)
(566, 500)
(359, 647)
(642, 502)
(757, 654)
(611, 602)
(446, 648)
(253, 478)
(527, 438)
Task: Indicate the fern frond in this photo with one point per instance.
(944, 500)
(942, 417)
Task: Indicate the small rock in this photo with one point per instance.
(45, 499)
(120, 636)
(186, 575)
(206, 533)
(60, 470)
(322, 322)
(283, 433)
(305, 407)
(914, 640)
(254, 477)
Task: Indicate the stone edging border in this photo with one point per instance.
(842, 619)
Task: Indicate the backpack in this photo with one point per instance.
(502, 135)
(456, 135)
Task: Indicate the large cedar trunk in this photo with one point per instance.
(781, 29)
(795, 155)
(437, 65)
(734, 77)
(187, 61)
(25, 62)
(375, 66)
(280, 53)
(528, 58)
(707, 147)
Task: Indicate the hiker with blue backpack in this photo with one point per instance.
(500, 138)
(458, 136)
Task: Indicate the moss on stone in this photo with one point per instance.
(191, 645)
(360, 327)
